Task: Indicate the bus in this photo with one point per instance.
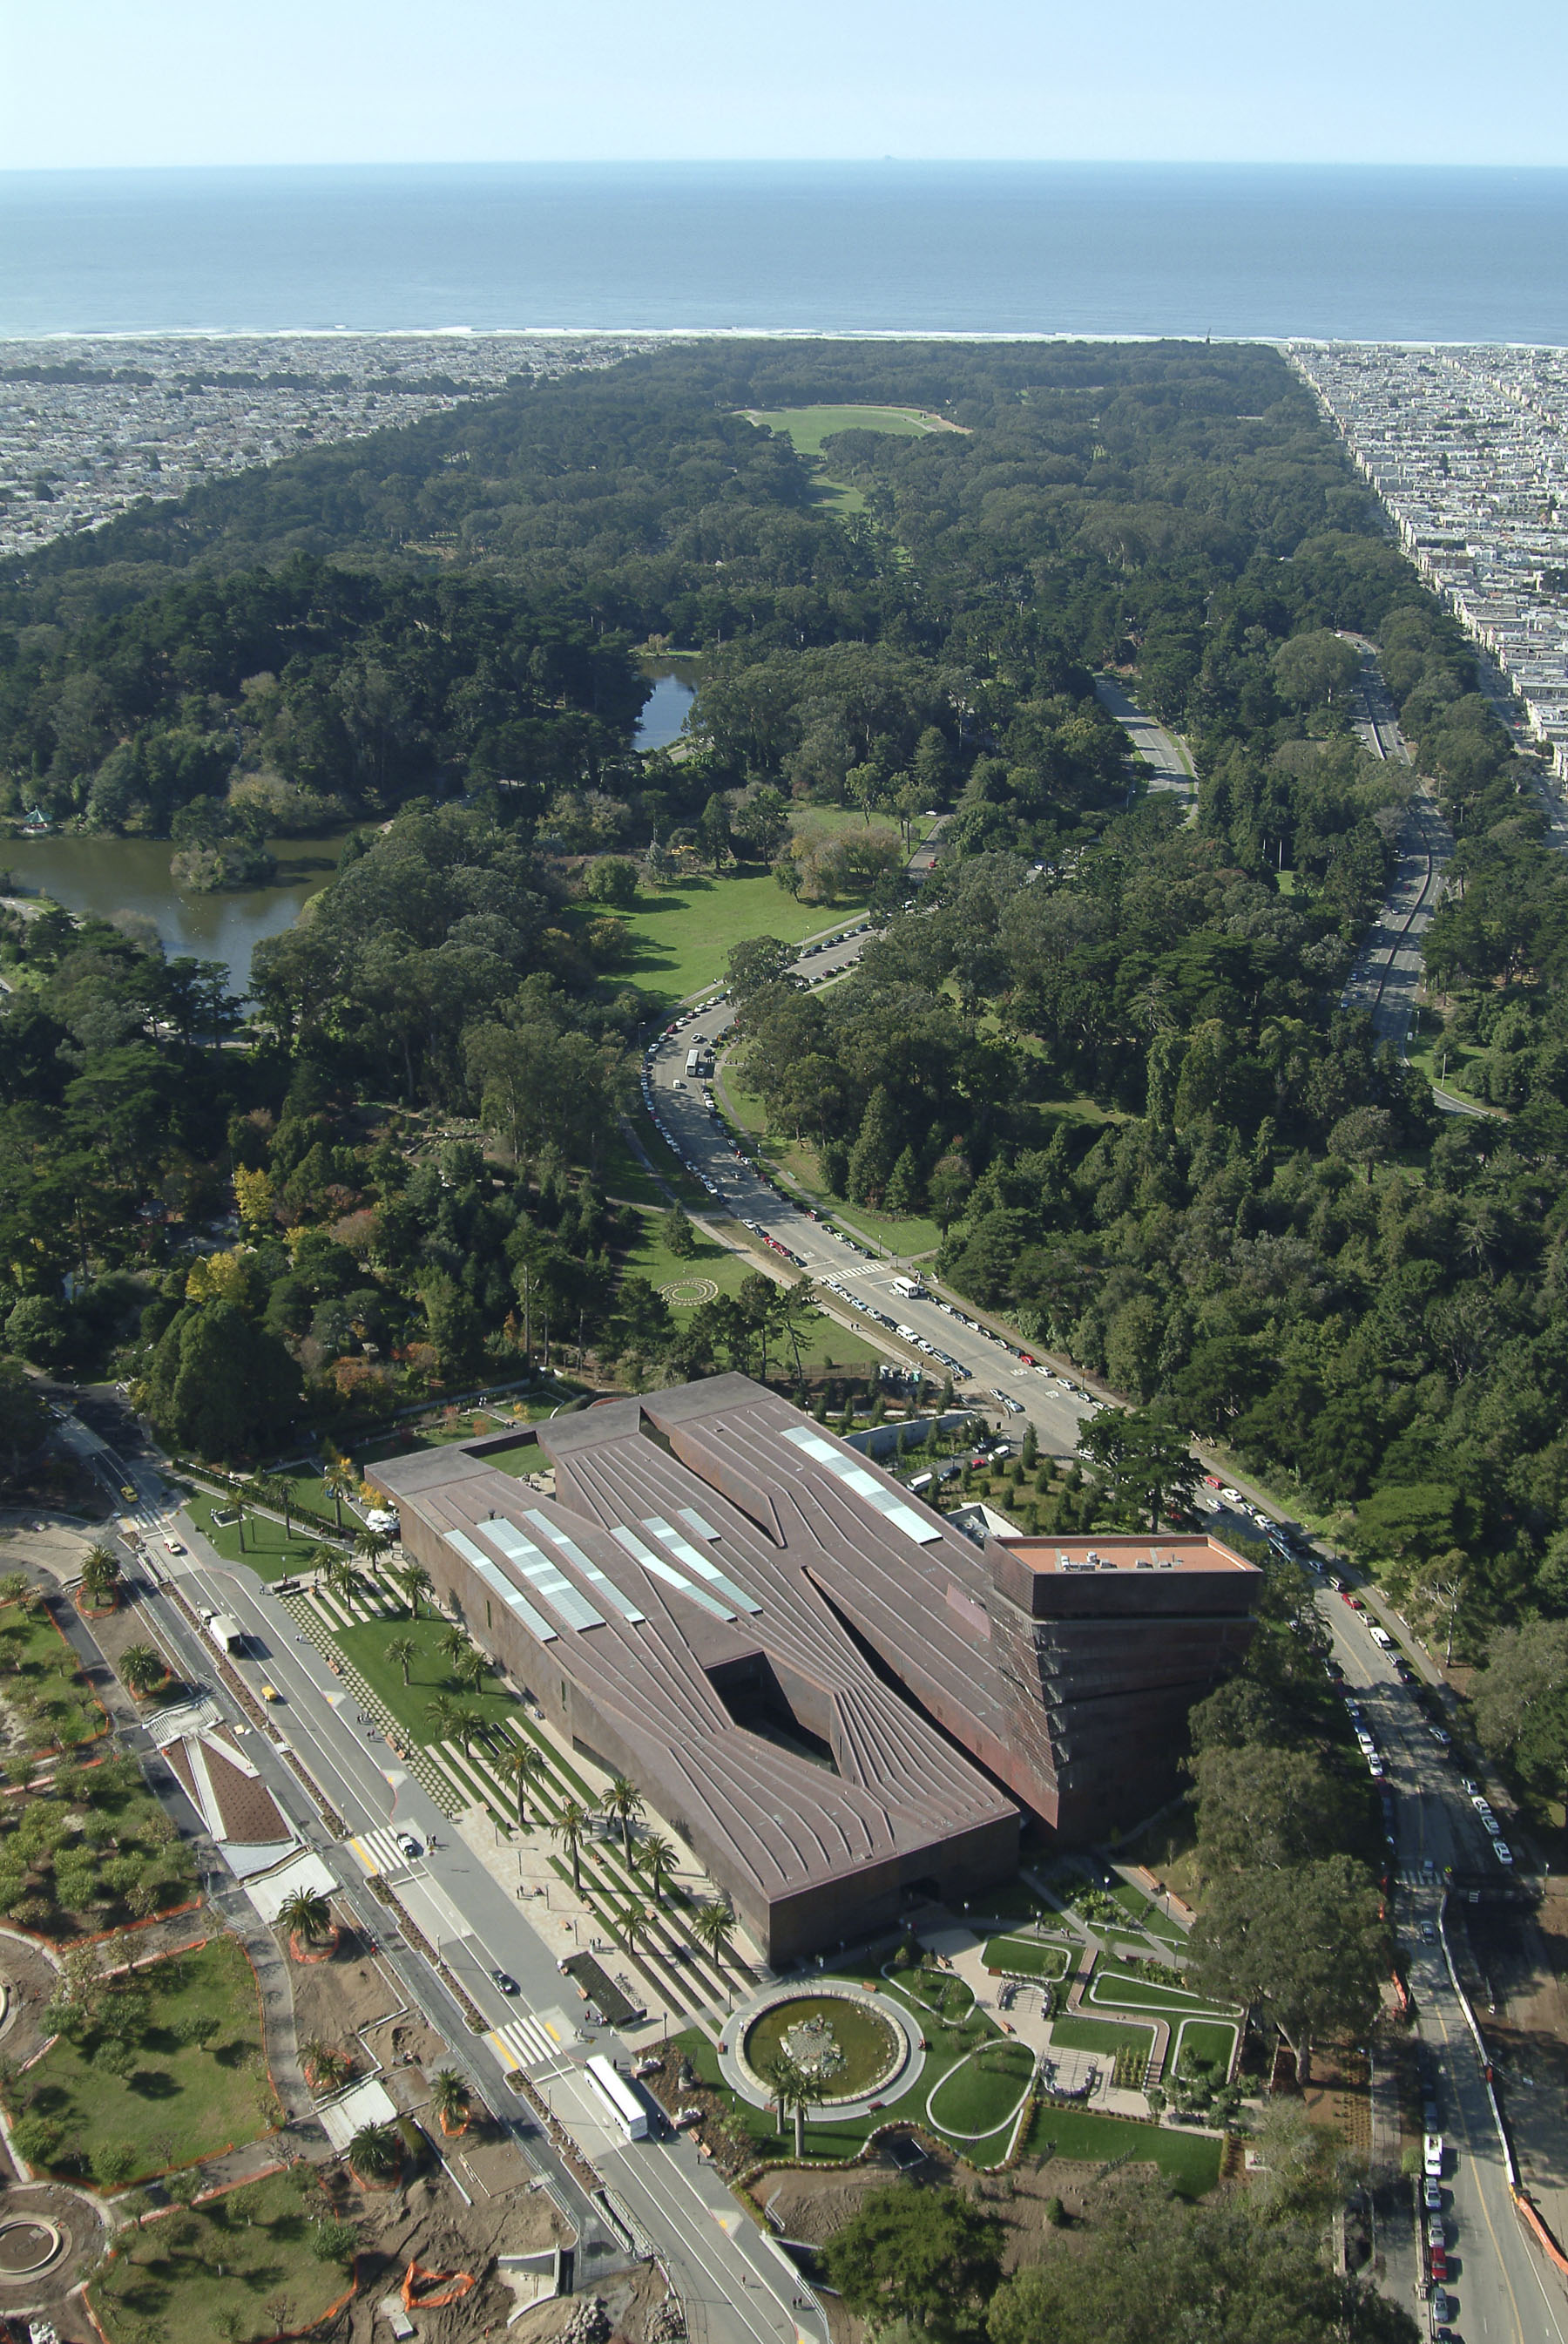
(909, 1288)
(628, 2112)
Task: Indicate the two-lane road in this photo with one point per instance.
(1501, 2291)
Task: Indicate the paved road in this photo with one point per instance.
(1169, 766)
(1501, 2290)
(700, 1140)
(738, 2290)
(1387, 974)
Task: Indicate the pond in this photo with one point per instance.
(132, 875)
(674, 690)
(845, 2049)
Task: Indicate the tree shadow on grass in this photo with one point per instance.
(153, 2083)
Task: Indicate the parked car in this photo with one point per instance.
(1503, 1853)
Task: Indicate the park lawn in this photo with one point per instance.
(247, 2254)
(270, 1555)
(806, 427)
(69, 1717)
(1209, 2041)
(429, 1674)
(825, 1345)
(180, 2102)
(894, 1233)
(679, 937)
(1101, 2034)
(1125, 1992)
(1190, 2161)
(982, 2094)
(1027, 1957)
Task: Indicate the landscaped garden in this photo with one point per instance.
(982, 2094)
(258, 2262)
(150, 2070)
(90, 1851)
(1190, 2161)
(1101, 2034)
(50, 1703)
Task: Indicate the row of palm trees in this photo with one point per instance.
(524, 1763)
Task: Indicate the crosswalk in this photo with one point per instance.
(524, 2042)
(379, 1850)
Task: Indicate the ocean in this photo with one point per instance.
(1002, 249)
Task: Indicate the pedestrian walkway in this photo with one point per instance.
(526, 2042)
(379, 1850)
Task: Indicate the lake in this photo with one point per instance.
(673, 692)
(132, 875)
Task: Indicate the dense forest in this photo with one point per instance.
(1107, 1055)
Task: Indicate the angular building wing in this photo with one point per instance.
(838, 1700)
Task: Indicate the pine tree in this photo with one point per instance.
(875, 1152)
(904, 1190)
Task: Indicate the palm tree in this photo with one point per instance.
(634, 1926)
(442, 1714)
(712, 1923)
(568, 1827)
(274, 1489)
(521, 1763)
(405, 1651)
(320, 1560)
(468, 1726)
(305, 1914)
(454, 1641)
(336, 1475)
(449, 2098)
(142, 1667)
(342, 1579)
(472, 1669)
(797, 2093)
(622, 1799)
(100, 1575)
(657, 1858)
(375, 2152)
(371, 1544)
(415, 1581)
(779, 2074)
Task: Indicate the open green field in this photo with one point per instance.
(241, 2266)
(1190, 2161)
(1101, 2034)
(827, 1345)
(1209, 2041)
(982, 2094)
(166, 2101)
(1028, 1957)
(806, 427)
(679, 937)
(429, 1674)
(266, 1549)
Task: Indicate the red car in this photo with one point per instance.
(1439, 2261)
(1353, 1601)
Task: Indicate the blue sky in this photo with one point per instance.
(151, 82)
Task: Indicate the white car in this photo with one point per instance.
(1431, 2156)
(173, 1546)
(1503, 1853)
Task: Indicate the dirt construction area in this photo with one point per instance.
(352, 2005)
